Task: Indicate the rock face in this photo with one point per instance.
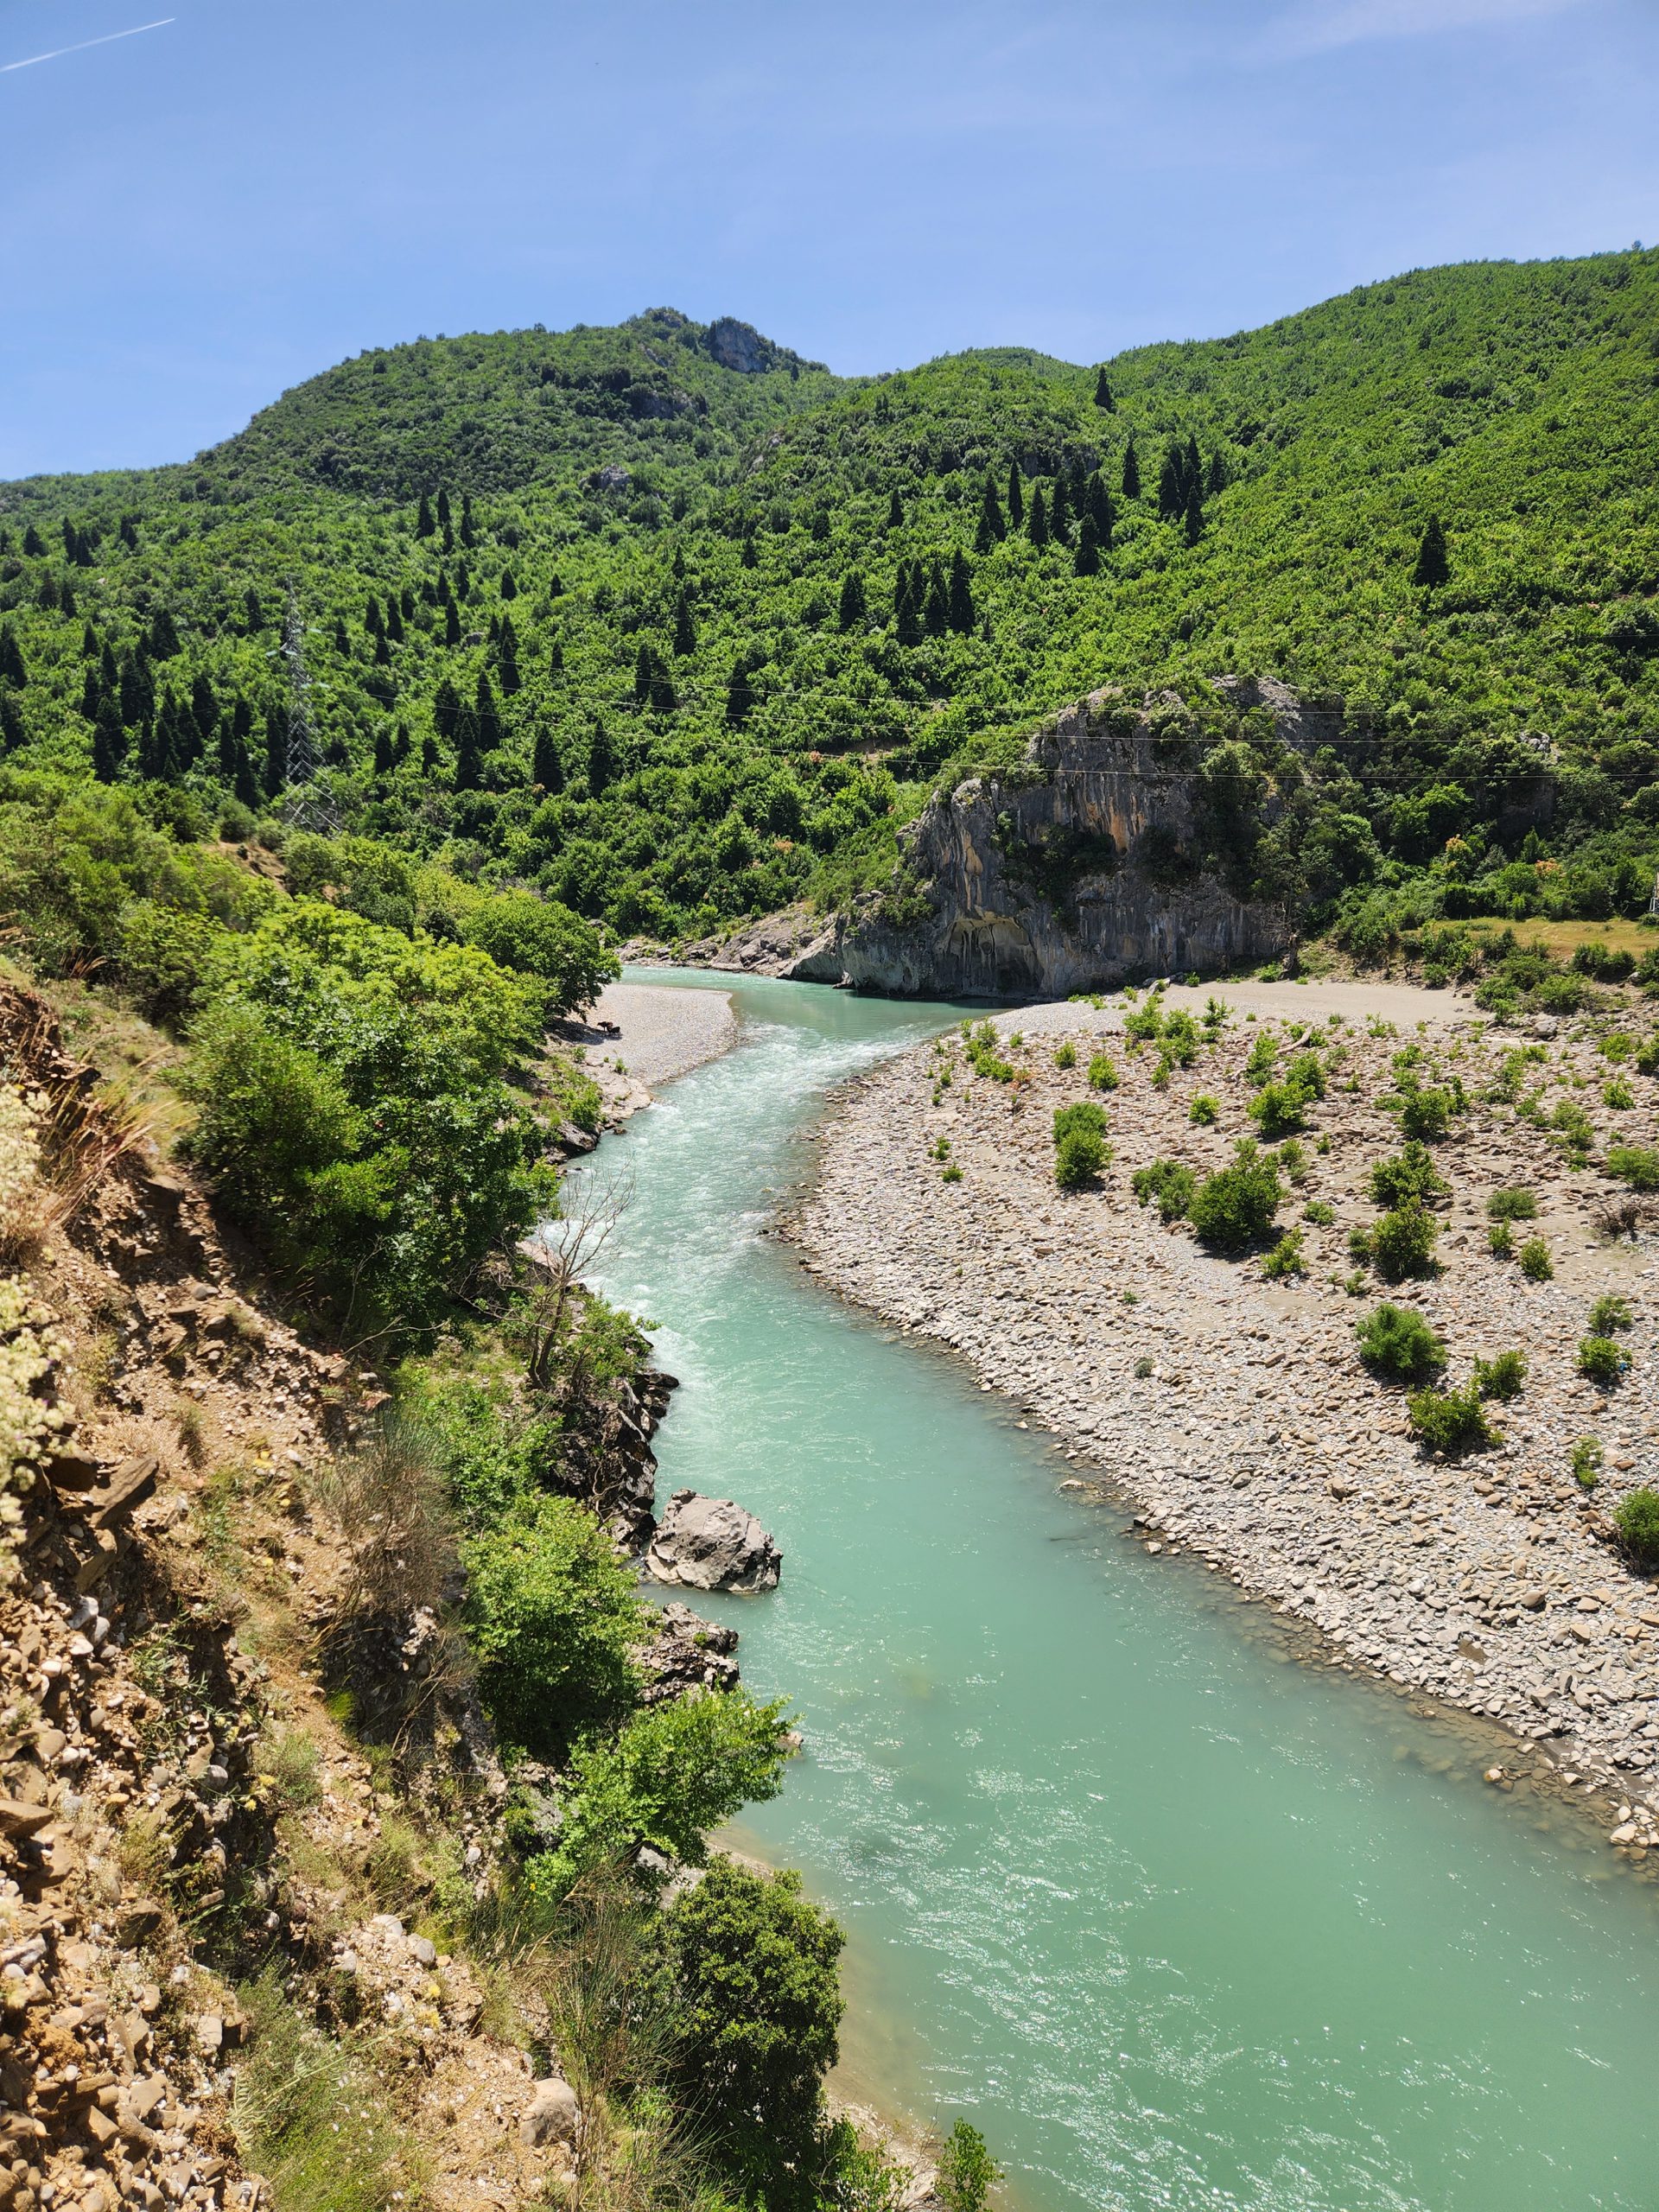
(708, 1544)
(1075, 872)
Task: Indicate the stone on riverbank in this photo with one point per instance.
(710, 1543)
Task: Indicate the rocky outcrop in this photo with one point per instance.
(708, 1544)
(1079, 870)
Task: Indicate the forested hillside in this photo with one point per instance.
(677, 626)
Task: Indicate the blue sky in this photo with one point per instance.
(196, 216)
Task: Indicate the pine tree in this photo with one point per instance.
(685, 635)
(556, 658)
(424, 523)
(203, 705)
(488, 714)
(740, 693)
(1098, 502)
(1059, 512)
(226, 748)
(1086, 560)
(468, 534)
(109, 677)
(677, 566)
(89, 643)
(748, 556)
(664, 699)
(451, 623)
(12, 732)
(546, 768)
(895, 509)
(400, 746)
(907, 603)
(1172, 493)
(109, 740)
(137, 688)
(34, 543)
(128, 532)
(447, 541)
(275, 750)
(163, 635)
(601, 761)
(556, 587)
(47, 593)
(935, 607)
(431, 759)
(382, 750)
(851, 613)
(89, 696)
(253, 614)
(446, 711)
(1016, 496)
(644, 668)
(145, 752)
(962, 596)
(469, 760)
(1193, 520)
(168, 766)
(71, 541)
(1215, 475)
(507, 657)
(1103, 393)
(374, 621)
(1193, 473)
(1037, 518)
(509, 584)
(1433, 560)
(992, 528)
(242, 779)
(12, 669)
(1131, 472)
(394, 622)
(443, 510)
(241, 721)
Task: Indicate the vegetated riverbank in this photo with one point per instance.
(1233, 1408)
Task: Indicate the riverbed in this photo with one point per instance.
(1178, 1920)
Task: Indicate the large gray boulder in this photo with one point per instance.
(708, 1544)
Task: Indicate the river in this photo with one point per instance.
(1176, 1920)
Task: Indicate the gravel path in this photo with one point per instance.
(1234, 1411)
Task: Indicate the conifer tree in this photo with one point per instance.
(241, 720)
(431, 759)
(275, 750)
(1103, 393)
(1192, 519)
(907, 603)
(423, 523)
(469, 760)
(145, 754)
(128, 532)
(1433, 560)
(509, 584)
(1086, 560)
(487, 714)
(34, 543)
(47, 593)
(400, 746)
(556, 658)
(962, 596)
(468, 534)
(1037, 518)
(601, 761)
(382, 750)
(1215, 475)
(12, 732)
(253, 614)
(394, 621)
(664, 699)
(851, 613)
(748, 556)
(12, 669)
(1059, 512)
(685, 635)
(1099, 503)
(1192, 475)
(546, 768)
(444, 510)
(1016, 496)
(109, 740)
(643, 671)
(451, 623)
(374, 621)
(163, 635)
(203, 705)
(89, 696)
(447, 541)
(109, 677)
(137, 688)
(227, 749)
(992, 528)
(89, 643)
(446, 711)
(381, 651)
(935, 607)
(242, 779)
(1172, 493)
(71, 540)
(1131, 472)
(740, 693)
(895, 509)
(677, 566)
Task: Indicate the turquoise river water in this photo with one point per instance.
(1175, 1920)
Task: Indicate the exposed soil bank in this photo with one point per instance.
(1252, 1432)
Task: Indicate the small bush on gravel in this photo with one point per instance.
(1635, 1164)
(1451, 1422)
(1410, 1179)
(1293, 1161)
(1078, 1157)
(1103, 1073)
(1427, 1114)
(1587, 1462)
(1618, 1095)
(1500, 1239)
(1082, 1114)
(952, 1174)
(1066, 1057)
(1205, 1110)
(1169, 1184)
(1504, 1377)
(1636, 1519)
(1235, 1209)
(1575, 1128)
(1515, 1205)
(1609, 1313)
(1279, 1111)
(1264, 1055)
(1318, 1213)
(1601, 1360)
(1535, 1262)
(1400, 1345)
(1402, 1243)
(1286, 1258)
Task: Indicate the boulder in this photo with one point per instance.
(710, 1543)
(550, 2116)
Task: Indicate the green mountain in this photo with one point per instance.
(679, 626)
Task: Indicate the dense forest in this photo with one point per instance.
(677, 626)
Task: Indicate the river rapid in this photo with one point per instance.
(1175, 1918)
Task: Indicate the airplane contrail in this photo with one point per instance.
(109, 39)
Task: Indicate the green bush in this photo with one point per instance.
(1451, 1422)
(1426, 1115)
(1535, 1262)
(1618, 1095)
(1402, 1243)
(1504, 1377)
(540, 938)
(1318, 1213)
(1169, 1182)
(1603, 1360)
(551, 1616)
(1410, 1179)
(1610, 1312)
(1637, 1164)
(1066, 1057)
(1204, 1111)
(1103, 1073)
(1285, 1259)
(1078, 1159)
(1400, 1345)
(1587, 1462)
(1636, 1519)
(1083, 1117)
(1279, 1111)
(1263, 1057)
(967, 2171)
(1500, 1241)
(750, 1966)
(1514, 1205)
(1235, 1209)
(1574, 1127)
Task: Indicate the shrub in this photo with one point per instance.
(1235, 1209)
(751, 1967)
(1204, 1111)
(1400, 1345)
(1411, 1179)
(1587, 1462)
(1504, 1377)
(1514, 1205)
(1636, 1519)
(1604, 962)
(951, 1174)
(1279, 1111)
(538, 936)
(1293, 1161)
(552, 1617)
(1618, 1095)
(1574, 1127)
(967, 2171)
(1103, 1073)
(1601, 1360)
(1535, 1262)
(1078, 1159)
(1402, 1243)
(1286, 1258)
(1451, 1422)
(1637, 1164)
(1082, 1116)
(1318, 1213)
(1066, 1057)
(1264, 1055)
(1169, 1182)
(1500, 1241)
(1609, 1313)
(1427, 1114)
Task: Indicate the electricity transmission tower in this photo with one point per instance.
(303, 807)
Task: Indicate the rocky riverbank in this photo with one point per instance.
(1233, 1409)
